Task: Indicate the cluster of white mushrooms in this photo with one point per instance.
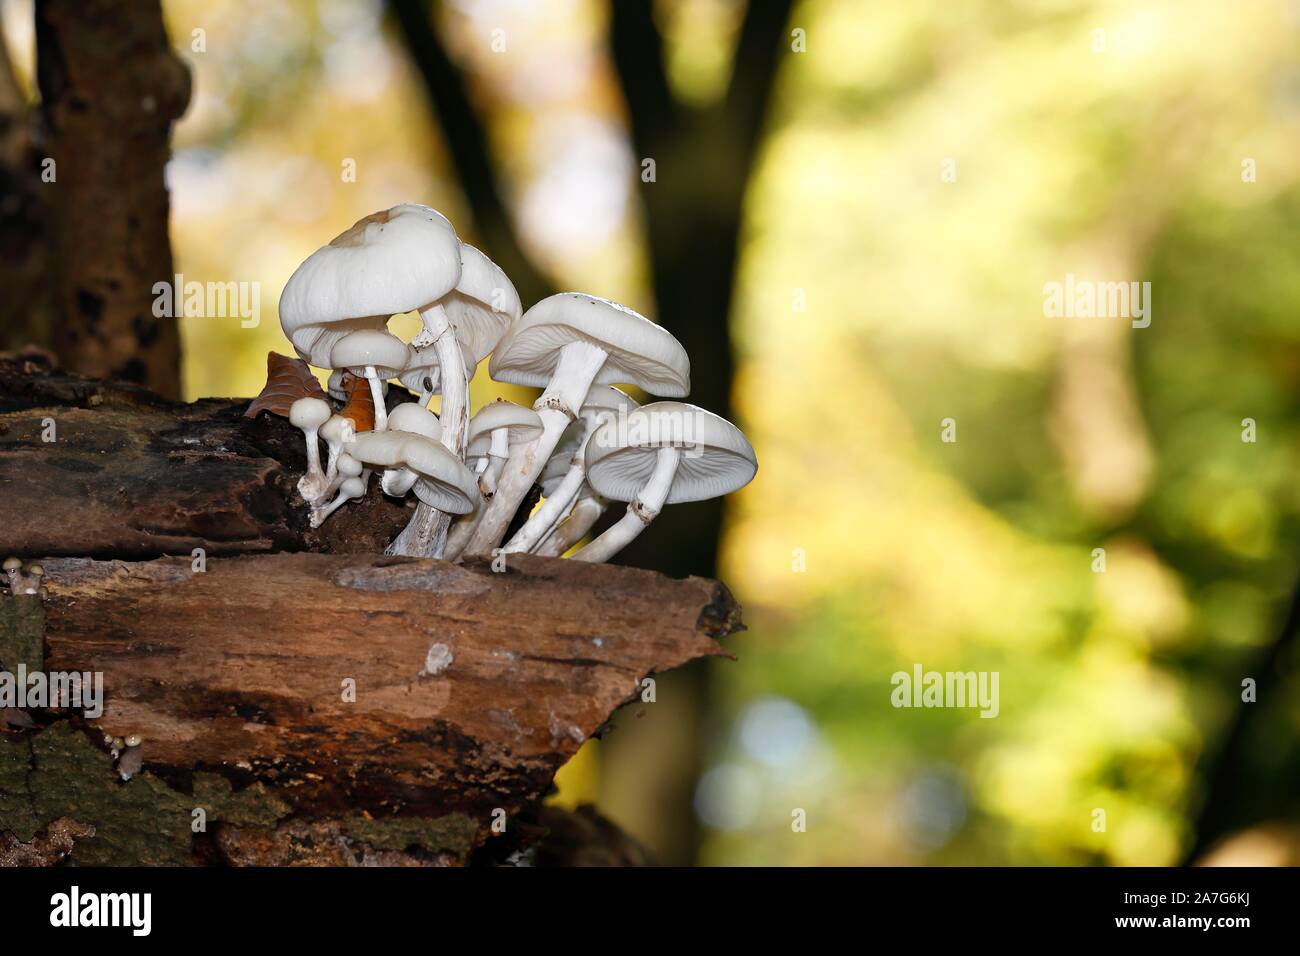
(584, 441)
(23, 580)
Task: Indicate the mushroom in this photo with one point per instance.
(13, 569)
(132, 757)
(20, 583)
(585, 513)
(337, 386)
(386, 264)
(308, 415)
(442, 482)
(376, 354)
(349, 488)
(337, 432)
(418, 420)
(662, 453)
(422, 375)
(494, 431)
(34, 574)
(603, 402)
(462, 328)
(568, 342)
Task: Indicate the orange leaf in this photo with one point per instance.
(287, 380)
(361, 404)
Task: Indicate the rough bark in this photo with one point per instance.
(399, 702)
(111, 87)
(26, 307)
(473, 684)
(132, 476)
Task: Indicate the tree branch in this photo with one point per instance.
(637, 49)
(758, 52)
(466, 139)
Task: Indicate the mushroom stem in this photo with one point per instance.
(313, 452)
(579, 364)
(489, 468)
(377, 393)
(463, 529)
(314, 485)
(555, 506)
(336, 440)
(641, 510)
(426, 534)
(586, 512)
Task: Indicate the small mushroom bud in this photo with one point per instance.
(349, 489)
(13, 569)
(33, 583)
(308, 415)
(337, 432)
(133, 740)
(131, 761)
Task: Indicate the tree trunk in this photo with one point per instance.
(111, 87)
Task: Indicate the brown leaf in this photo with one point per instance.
(287, 380)
(361, 404)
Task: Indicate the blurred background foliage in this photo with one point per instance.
(876, 297)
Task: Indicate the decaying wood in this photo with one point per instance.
(332, 708)
(376, 690)
(128, 475)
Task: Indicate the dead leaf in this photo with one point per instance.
(361, 404)
(287, 380)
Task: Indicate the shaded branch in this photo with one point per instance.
(637, 49)
(758, 52)
(466, 140)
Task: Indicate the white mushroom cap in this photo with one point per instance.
(376, 348)
(349, 466)
(606, 398)
(410, 417)
(423, 364)
(716, 457)
(444, 482)
(337, 429)
(309, 413)
(482, 305)
(390, 262)
(523, 423)
(313, 343)
(640, 352)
